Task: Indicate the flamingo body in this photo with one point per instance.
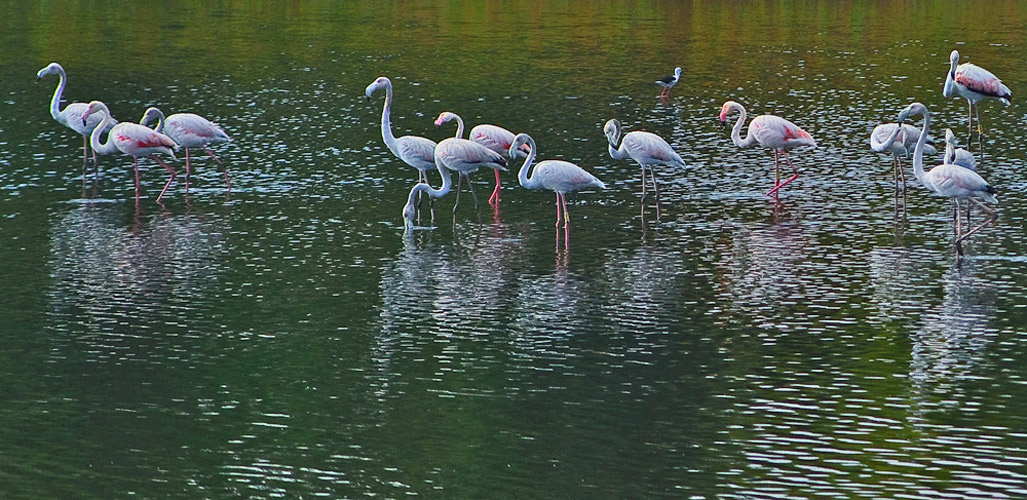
(466, 157)
(189, 130)
(957, 156)
(772, 132)
(973, 82)
(558, 176)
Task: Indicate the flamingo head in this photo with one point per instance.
(519, 146)
(48, 70)
(612, 129)
(913, 109)
(94, 107)
(152, 114)
(380, 83)
(726, 109)
(444, 117)
(954, 58)
(408, 215)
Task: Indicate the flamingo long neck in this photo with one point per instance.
(616, 148)
(918, 153)
(390, 140)
(459, 127)
(55, 103)
(522, 175)
(447, 184)
(736, 131)
(160, 122)
(883, 146)
(94, 138)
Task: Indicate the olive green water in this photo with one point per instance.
(287, 340)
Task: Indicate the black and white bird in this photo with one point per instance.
(668, 83)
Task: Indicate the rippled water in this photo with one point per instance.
(286, 339)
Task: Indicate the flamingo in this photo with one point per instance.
(71, 115)
(668, 82)
(899, 141)
(647, 149)
(957, 156)
(493, 137)
(418, 152)
(465, 157)
(770, 132)
(132, 139)
(560, 177)
(423, 187)
(189, 130)
(975, 84)
(951, 181)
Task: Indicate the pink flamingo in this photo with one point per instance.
(975, 84)
(558, 176)
(132, 139)
(493, 137)
(465, 157)
(770, 132)
(189, 131)
(668, 82)
(71, 115)
(647, 149)
(949, 180)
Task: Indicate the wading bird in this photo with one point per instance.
(189, 131)
(560, 177)
(770, 132)
(899, 141)
(132, 139)
(647, 149)
(465, 157)
(493, 137)
(71, 115)
(975, 84)
(951, 181)
(668, 82)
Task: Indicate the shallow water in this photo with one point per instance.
(286, 339)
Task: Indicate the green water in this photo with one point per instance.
(286, 339)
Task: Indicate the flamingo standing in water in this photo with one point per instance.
(975, 84)
(951, 181)
(493, 137)
(770, 132)
(647, 149)
(423, 187)
(957, 156)
(668, 82)
(465, 157)
(132, 139)
(189, 130)
(71, 115)
(899, 141)
(560, 177)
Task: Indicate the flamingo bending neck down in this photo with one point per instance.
(899, 141)
(189, 130)
(647, 149)
(132, 139)
(493, 137)
(71, 115)
(560, 177)
(465, 157)
(421, 187)
(975, 84)
(951, 181)
(770, 132)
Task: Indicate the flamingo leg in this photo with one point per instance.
(470, 187)
(494, 199)
(993, 216)
(135, 164)
(170, 179)
(656, 191)
(645, 195)
(557, 211)
(795, 175)
(970, 123)
(459, 181)
(187, 170)
(225, 169)
(566, 214)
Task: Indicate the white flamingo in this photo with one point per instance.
(957, 156)
(465, 157)
(493, 137)
(899, 141)
(770, 132)
(975, 84)
(189, 130)
(951, 181)
(560, 177)
(668, 82)
(132, 139)
(71, 115)
(409, 211)
(647, 149)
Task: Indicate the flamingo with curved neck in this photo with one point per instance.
(647, 149)
(71, 115)
(421, 187)
(769, 131)
(899, 141)
(132, 139)
(418, 152)
(560, 177)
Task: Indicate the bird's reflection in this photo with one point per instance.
(118, 273)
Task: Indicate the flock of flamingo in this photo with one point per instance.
(493, 147)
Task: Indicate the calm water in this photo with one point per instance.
(286, 340)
